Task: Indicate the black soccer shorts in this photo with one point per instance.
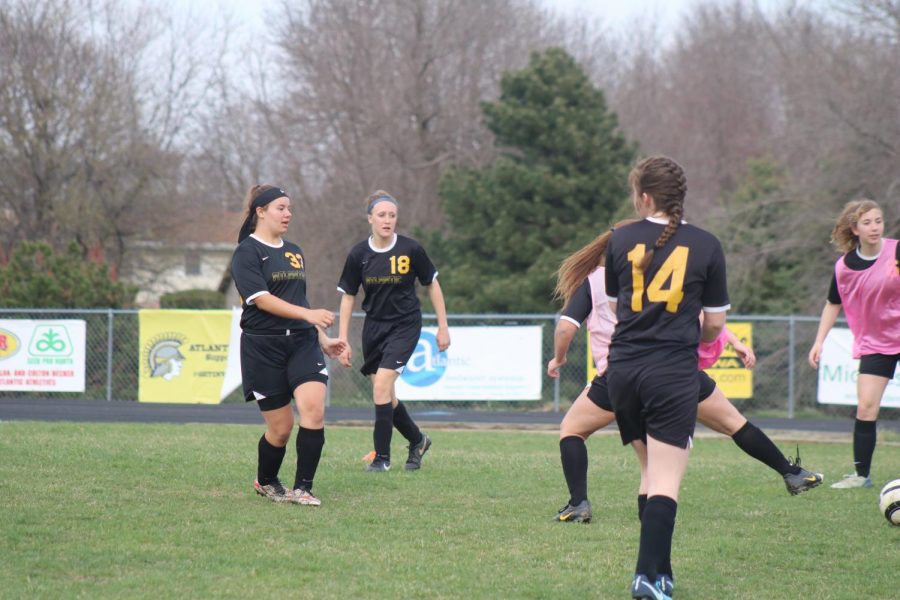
(656, 396)
(273, 366)
(389, 344)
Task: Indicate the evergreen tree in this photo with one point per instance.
(763, 239)
(560, 177)
(38, 277)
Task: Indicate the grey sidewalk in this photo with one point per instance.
(54, 409)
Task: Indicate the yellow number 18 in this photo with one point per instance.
(674, 268)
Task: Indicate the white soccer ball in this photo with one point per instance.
(889, 501)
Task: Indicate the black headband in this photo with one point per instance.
(258, 202)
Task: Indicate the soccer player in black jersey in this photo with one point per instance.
(660, 274)
(592, 410)
(282, 340)
(387, 266)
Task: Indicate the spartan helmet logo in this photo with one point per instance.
(164, 358)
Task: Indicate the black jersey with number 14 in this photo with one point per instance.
(388, 277)
(659, 309)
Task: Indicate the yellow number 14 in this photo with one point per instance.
(674, 268)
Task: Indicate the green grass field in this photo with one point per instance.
(167, 511)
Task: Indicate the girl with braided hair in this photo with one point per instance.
(660, 274)
(580, 284)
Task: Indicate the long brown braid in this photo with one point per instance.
(581, 263)
(663, 179)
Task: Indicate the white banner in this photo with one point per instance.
(482, 363)
(838, 371)
(42, 356)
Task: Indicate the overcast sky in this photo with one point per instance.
(615, 13)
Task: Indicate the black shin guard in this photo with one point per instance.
(268, 461)
(405, 425)
(384, 425)
(574, 457)
(309, 451)
(865, 435)
(657, 527)
(757, 444)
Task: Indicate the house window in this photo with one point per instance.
(192, 262)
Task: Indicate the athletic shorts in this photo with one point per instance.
(707, 385)
(656, 397)
(598, 392)
(273, 366)
(389, 344)
(882, 365)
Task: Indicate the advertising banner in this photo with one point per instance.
(838, 371)
(729, 373)
(42, 356)
(483, 363)
(183, 355)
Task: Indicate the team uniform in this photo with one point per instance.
(653, 357)
(869, 290)
(277, 354)
(590, 303)
(393, 313)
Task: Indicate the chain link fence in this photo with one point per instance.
(783, 382)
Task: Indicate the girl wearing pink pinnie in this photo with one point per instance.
(866, 282)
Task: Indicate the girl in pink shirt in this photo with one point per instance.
(866, 282)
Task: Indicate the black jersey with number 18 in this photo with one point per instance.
(388, 277)
(659, 309)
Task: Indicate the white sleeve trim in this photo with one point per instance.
(570, 320)
(341, 290)
(716, 309)
(250, 298)
(612, 298)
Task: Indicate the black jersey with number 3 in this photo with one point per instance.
(258, 268)
(659, 309)
(388, 277)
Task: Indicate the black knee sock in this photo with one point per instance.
(268, 462)
(574, 457)
(864, 437)
(309, 451)
(405, 425)
(384, 417)
(757, 444)
(642, 504)
(657, 527)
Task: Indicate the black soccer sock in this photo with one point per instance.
(657, 527)
(642, 504)
(574, 457)
(384, 416)
(757, 444)
(309, 451)
(269, 461)
(405, 425)
(864, 437)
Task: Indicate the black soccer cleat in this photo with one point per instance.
(803, 480)
(379, 465)
(575, 514)
(416, 452)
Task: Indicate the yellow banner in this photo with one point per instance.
(729, 373)
(183, 355)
